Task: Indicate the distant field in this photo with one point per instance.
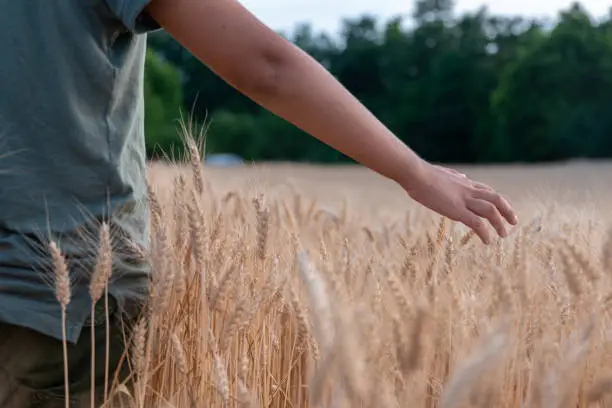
(582, 186)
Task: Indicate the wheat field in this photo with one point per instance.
(311, 286)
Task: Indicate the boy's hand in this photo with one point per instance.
(458, 198)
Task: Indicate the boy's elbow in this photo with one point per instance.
(263, 78)
(232, 42)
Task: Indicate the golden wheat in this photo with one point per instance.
(260, 300)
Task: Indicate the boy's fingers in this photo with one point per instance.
(482, 186)
(489, 211)
(477, 224)
(500, 202)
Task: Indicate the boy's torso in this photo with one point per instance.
(71, 148)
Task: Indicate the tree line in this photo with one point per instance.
(470, 88)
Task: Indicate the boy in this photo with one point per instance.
(72, 130)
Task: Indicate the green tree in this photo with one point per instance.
(473, 87)
(163, 101)
(551, 102)
(441, 82)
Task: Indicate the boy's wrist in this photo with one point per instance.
(411, 171)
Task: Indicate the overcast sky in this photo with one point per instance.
(326, 14)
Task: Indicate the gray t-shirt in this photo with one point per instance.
(71, 150)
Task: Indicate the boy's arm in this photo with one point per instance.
(283, 79)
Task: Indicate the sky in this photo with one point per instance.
(326, 14)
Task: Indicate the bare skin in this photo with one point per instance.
(282, 78)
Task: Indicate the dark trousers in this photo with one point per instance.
(32, 364)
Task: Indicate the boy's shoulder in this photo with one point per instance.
(130, 14)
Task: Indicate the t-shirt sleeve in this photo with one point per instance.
(132, 14)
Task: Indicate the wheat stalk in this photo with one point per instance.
(63, 295)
